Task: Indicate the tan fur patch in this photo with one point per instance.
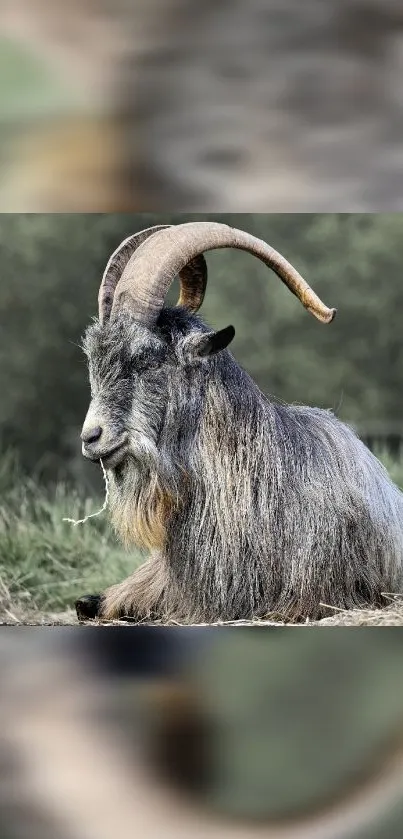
(145, 524)
(139, 593)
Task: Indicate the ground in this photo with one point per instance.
(15, 612)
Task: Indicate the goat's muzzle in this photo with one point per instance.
(111, 453)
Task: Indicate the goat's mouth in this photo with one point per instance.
(111, 458)
(115, 456)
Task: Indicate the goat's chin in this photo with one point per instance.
(141, 504)
(121, 469)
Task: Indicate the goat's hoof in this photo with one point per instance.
(88, 607)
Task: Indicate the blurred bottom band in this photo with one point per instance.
(175, 732)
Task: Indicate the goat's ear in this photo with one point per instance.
(209, 343)
(214, 342)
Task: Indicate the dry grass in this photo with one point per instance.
(14, 613)
(20, 612)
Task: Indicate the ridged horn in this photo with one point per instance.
(151, 270)
(193, 276)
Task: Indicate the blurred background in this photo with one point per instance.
(189, 733)
(141, 104)
(51, 266)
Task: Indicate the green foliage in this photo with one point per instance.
(50, 272)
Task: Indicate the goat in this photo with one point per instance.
(250, 508)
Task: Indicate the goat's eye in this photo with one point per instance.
(154, 364)
(139, 368)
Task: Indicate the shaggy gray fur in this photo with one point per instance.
(279, 508)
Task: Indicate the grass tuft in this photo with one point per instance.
(45, 563)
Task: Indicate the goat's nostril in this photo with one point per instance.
(91, 435)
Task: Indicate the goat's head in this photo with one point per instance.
(133, 359)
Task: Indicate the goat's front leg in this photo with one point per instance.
(138, 597)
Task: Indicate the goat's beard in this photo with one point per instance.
(144, 494)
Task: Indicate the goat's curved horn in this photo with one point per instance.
(193, 276)
(116, 266)
(149, 273)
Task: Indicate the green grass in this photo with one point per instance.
(45, 563)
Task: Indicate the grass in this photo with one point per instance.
(45, 563)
